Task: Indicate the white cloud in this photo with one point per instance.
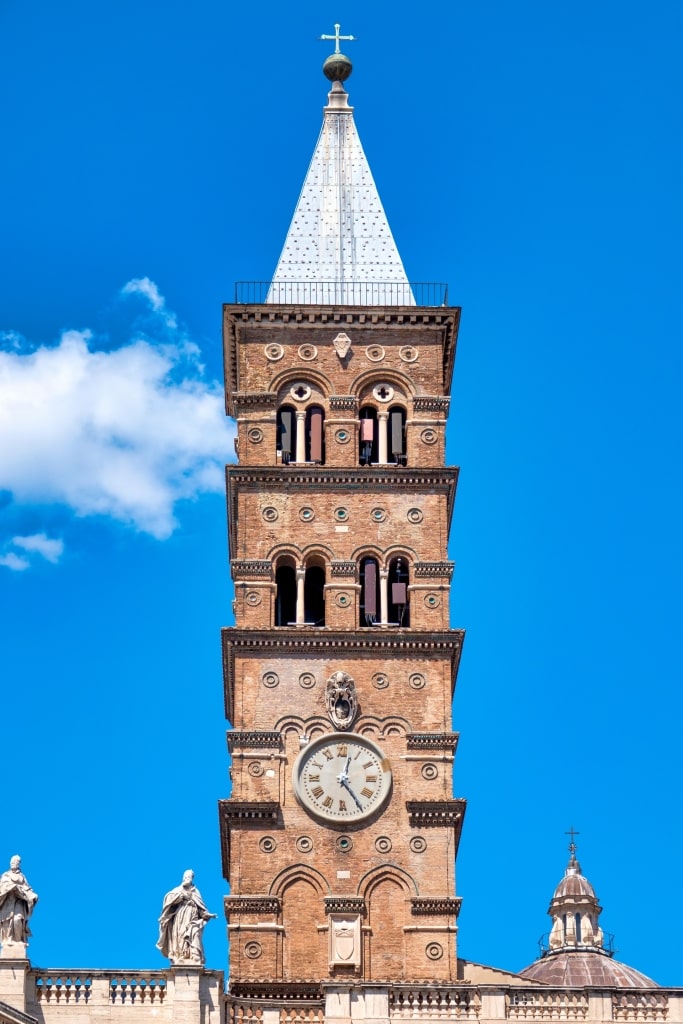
(13, 561)
(124, 433)
(146, 288)
(51, 548)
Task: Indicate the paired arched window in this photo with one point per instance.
(384, 597)
(285, 594)
(299, 594)
(382, 438)
(369, 592)
(399, 611)
(300, 435)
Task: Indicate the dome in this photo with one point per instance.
(574, 885)
(575, 967)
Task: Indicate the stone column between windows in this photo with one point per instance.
(382, 435)
(384, 597)
(300, 578)
(300, 436)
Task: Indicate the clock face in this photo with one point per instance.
(341, 777)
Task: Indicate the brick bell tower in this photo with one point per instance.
(340, 836)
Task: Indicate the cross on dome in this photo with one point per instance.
(337, 38)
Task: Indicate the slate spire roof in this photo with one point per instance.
(339, 248)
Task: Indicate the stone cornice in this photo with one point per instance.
(287, 641)
(250, 568)
(252, 739)
(436, 905)
(251, 905)
(343, 403)
(344, 905)
(431, 403)
(343, 569)
(247, 811)
(254, 401)
(438, 814)
(277, 991)
(433, 570)
(432, 740)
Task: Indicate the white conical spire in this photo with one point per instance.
(339, 248)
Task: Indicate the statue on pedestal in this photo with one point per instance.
(17, 900)
(182, 921)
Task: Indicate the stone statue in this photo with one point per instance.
(17, 900)
(182, 921)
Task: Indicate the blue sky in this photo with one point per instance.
(530, 155)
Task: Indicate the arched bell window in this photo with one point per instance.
(368, 438)
(577, 925)
(314, 595)
(286, 433)
(285, 594)
(399, 610)
(315, 435)
(369, 592)
(397, 434)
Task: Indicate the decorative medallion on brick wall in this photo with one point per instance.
(253, 598)
(342, 600)
(434, 950)
(414, 515)
(255, 435)
(267, 844)
(274, 352)
(341, 344)
(306, 514)
(344, 844)
(417, 681)
(383, 844)
(255, 768)
(341, 700)
(341, 514)
(304, 844)
(408, 354)
(270, 679)
(418, 844)
(307, 680)
(270, 514)
(429, 771)
(253, 949)
(375, 353)
(429, 436)
(378, 515)
(432, 600)
(380, 681)
(343, 436)
(308, 352)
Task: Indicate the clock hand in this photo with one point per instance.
(344, 774)
(348, 789)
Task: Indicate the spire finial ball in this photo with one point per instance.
(337, 67)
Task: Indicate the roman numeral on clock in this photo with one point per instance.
(366, 792)
(317, 791)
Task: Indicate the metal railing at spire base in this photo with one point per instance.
(607, 946)
(342, 293)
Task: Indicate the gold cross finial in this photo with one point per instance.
(337, 38)
(572, 845)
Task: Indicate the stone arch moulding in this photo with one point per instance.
(283, 381)
(281, 551)
(383, 873)
(370, 725)
(396, 551)
(362, 386)
(317, 551)
(299, 873)
(368, 551)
